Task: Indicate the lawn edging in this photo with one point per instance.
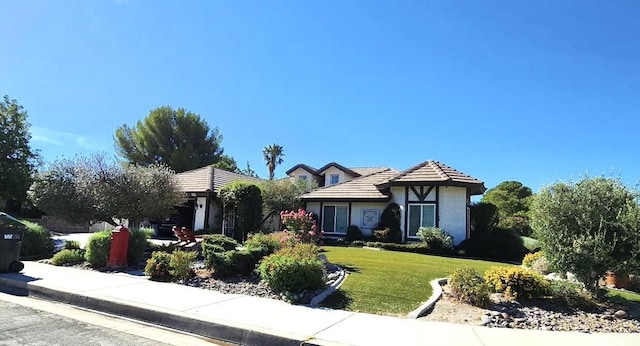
(436, 285)
(329, 290)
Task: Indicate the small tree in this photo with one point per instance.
(17, 159)
(246, 199)
(98, 189)
(484, 218)
(284, 194)
(303, 224)
(588, 227)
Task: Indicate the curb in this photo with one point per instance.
(327, 292)
(208, 329)
(436, 285)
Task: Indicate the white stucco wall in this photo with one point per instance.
(356, 215)
(200, 209)
(333, 170)
(453, 211)
(301, 171)
(314, 207)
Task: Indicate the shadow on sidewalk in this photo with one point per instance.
(15, 284)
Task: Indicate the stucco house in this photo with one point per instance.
(429, 194)
(201, 208)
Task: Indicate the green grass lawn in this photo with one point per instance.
(389, 282)
(628, 296)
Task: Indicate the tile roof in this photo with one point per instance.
(437, 172)
(368, 170)
(209, 179)
(338, 166)
(302, 165)
(359, 188)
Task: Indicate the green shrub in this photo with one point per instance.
(137, 245)
(353, 233)
(498, 245)
(516, 282)
(37, 242)
(435, 238)
(529, 258)
(389, 220)
(242, 262)
(158, 267)
(98, 248)
(180, 264)
(68, 256)
(292, 273)
(225, 242)
(270, 243)
(634, 283)
(541, 265)
(358, 243)
(420, 248)
(220, 263)
(571, 294)
(385, 235)
(72, 245)
(468, 286)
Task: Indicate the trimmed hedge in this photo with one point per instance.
(420, 248)
(498, 245)
(68, 256)
(37, 242)
(98, 248)
(516, 282)
(137, 245)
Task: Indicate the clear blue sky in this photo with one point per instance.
(502, 90)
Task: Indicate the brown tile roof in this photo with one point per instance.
(209, 179)
(368, 170)
(361, 188)
(338, 166)
(302, 165)
(437, 172)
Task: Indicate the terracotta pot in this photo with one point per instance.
(617, 280)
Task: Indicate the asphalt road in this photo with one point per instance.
(28, 321)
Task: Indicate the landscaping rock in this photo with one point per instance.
(620, 314)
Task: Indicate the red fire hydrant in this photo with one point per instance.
(119, 247)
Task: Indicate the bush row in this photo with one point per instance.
(99, 246)
(468, 286)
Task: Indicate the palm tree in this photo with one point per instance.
(273, 156)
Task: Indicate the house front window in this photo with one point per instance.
(420, 215)
(335, 218)
(303, 177)
(333, 179)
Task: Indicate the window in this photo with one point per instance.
(302, 177)
(335, 218)
(333, 179)
(421, 215)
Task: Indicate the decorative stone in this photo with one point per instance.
(620, 314)
(505, 315)
(485, 320)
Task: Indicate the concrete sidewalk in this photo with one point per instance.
(259, 321)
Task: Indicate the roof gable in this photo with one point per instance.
(303, 166)
(209, 179)
(360, 188)
(436, 172)
(322, 169)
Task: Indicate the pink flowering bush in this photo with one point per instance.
(302, 224)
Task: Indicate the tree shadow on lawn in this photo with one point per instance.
(349, 268)
(337, 300)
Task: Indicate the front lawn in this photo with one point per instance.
(628, 297)
(388, 282)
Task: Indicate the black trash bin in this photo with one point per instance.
(11, 234)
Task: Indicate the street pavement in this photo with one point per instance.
(27, 321)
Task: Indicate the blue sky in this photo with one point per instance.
(502, 90)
